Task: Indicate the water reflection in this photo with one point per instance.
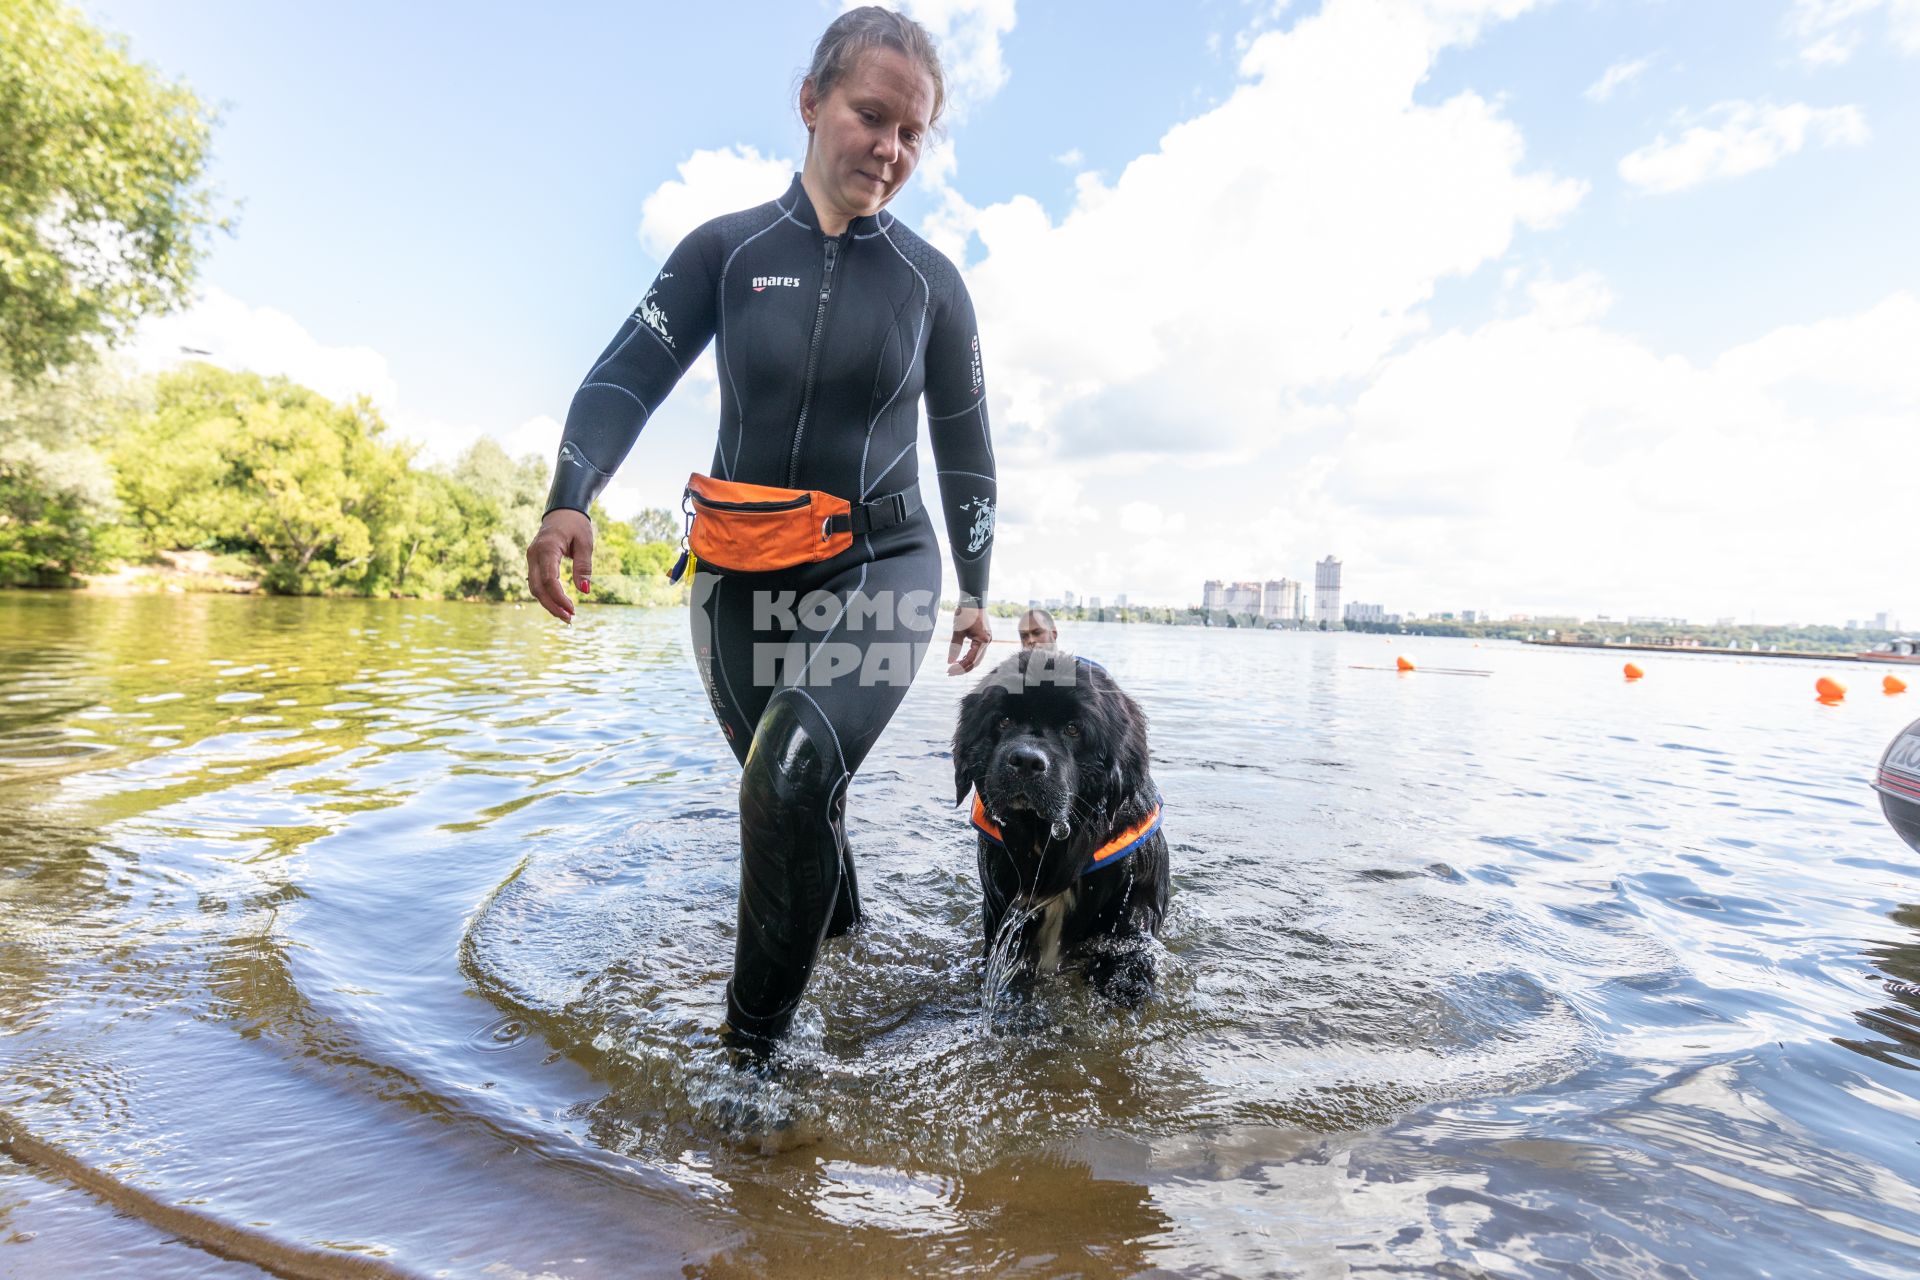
(1895, 1024)
(308, 904)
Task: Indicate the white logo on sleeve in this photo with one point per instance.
(982, 531)
(650, 313)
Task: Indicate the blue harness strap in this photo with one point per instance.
(1106, 855)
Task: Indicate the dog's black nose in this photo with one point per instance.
(1027, 760)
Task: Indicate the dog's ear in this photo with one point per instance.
(971, 739)
(1128, 772)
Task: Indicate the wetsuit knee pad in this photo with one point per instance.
(794, 769)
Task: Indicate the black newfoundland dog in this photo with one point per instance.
(1072, 859)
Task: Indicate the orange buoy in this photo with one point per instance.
(1404, 663)
(1633, 672)
(1894, 684)
(1829, 690)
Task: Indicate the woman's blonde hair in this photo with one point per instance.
(872, 27)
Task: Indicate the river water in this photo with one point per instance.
(349, 937)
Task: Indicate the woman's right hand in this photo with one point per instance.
(564, 534)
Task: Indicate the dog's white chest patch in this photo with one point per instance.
(1046, 939)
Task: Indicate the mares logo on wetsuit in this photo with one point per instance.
(775, 282)
(982, 531)
(978, 378)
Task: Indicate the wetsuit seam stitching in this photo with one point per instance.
(889, 469)
(828, 634)
(622, 390)
(948, 417)
(740, 427)
(839, 754)
(719, 651)
(926, 305)
(615, 355)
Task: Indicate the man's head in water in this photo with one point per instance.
(1037, 630)
(870, 98)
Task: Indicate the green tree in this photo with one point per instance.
(657, 524)
(102, 207)
(58, 513)
(628, 566)
(262, 464)
(516, 490)
(436, 539)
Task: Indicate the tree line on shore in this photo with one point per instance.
(305, 495)
(105, 217)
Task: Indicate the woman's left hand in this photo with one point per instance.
(969, 624)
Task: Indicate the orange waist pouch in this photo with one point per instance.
(756, 528)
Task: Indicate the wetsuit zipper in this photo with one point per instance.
(813, 356)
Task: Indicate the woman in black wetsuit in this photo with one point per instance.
(832, 320)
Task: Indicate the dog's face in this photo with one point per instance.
(1050, 737)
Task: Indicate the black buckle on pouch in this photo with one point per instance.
(882, 513)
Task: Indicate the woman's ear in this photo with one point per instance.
(809, 103)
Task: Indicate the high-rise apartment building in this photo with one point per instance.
(1326, 591)
(1243, 597)
(1280, 600)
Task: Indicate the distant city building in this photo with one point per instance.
(1280, 600)
(1655, 621)
(1357, 612)
(1326, 590)
(1881, 622)
(1093, 602)
(1053, 602)
(1120, 601)
(1067, 600)
(1213, 595)
(1469, 615)
(1243, 597)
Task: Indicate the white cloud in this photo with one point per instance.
(1831, 49)
(1744, 138)
(711, 183)
(222, 330)
(1830, 30)
(1615, 76)
(1579, 468)
(1564, 303)
(967, 34)
(1072, 158)
(1147, 519)
(1313, 211)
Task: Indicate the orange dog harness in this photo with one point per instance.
(1105, 856)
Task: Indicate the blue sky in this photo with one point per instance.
(1256, 284)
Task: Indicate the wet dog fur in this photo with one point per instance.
(1057, 752)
